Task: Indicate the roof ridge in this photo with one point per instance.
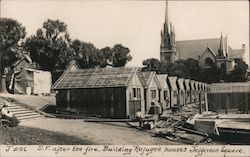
(187, 40)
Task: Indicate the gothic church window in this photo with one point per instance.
(209, 62)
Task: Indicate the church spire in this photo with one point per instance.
(221, 50)
(166, 13)
(167, 47)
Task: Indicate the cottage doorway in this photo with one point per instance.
(134, 106)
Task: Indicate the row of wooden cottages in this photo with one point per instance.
(121, 92)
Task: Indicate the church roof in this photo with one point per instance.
(237, 53)
(195, 48)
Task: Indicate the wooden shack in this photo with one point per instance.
(164, 92)
(173, 91)
(151, 88)
(106, 92)
(187, 91)
(203, 91)
(181, 92)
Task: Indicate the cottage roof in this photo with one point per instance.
(200, 86)
(95, 78)
(196, 85)
(186, 84)
(180, 83)
(194, 48)
(146, 77)
(163, 80)
(172, 82)
(203, 86)
(192, 85)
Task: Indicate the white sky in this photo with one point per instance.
(136, 24)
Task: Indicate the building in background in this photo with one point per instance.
(208, 51)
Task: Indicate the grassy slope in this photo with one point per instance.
(36, 102)
(32, 136)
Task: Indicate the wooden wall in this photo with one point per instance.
(107, 102)
(229, 102)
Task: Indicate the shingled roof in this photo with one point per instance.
(146, 77)
(237, 53)
(194, 48)
(95, 78)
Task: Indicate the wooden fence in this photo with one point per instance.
(229, 97)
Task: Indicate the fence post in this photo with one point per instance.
(227, 101)
(246, 98)
(206, 102)
(200, 105)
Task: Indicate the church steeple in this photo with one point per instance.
(168, 51)
(166, 13)
(221, 50)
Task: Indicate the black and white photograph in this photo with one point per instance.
(117, 73)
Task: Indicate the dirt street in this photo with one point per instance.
(99, 133)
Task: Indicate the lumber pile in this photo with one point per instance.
(173, 127)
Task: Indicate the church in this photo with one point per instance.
(208, 52)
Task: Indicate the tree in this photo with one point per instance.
(86, 54)
(151, 64)
(211, 74)
(121, 55)
(178, 68)
(106, 56)
(194, 69)
(11, 34)
(239, 73)
(49, 48)
(188, 68)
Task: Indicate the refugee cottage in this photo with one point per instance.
(173, 91)
(203, 91)
(107, 92)
(196, 91)
(151, 88)
(164, 92)
(192, 91)
(181, 92)
(187, 91)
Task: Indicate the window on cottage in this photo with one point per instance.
(153, 94)
(137, 93)
(165, 94)
(175, 93)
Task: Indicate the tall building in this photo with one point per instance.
(207, 51)
(168, 52)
